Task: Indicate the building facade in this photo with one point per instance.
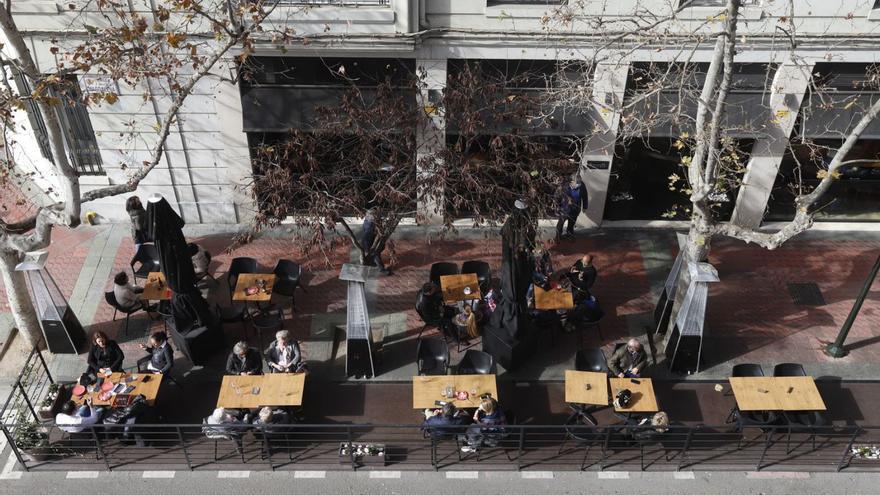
(206, 167)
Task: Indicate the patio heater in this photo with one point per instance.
(684, 349)
(358, 334)
(62, 331)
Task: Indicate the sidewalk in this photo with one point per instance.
(751, 315)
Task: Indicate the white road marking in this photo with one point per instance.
(537, 475)
(462, 475)
(613, 475)
(684, 475)
(310, 474)
(159, 474)
(774, 475)
(385, 474)
(234, 474)
(81, 475)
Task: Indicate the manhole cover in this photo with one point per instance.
(806, 294)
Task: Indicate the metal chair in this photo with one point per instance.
(482, 270)
(803, 422)
(442, 268)
(581, 428)
(476, 363)
(432, 357)
(287, 276)
(110, 297)
(592, 359)
(237, 312)
(269, 321)
(585, 324)
(746, 370)
(148, 257)
(789, 369)
(236, 267)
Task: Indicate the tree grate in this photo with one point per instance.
(806, 294)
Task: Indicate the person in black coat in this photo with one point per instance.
(161, 356)
(582, 276)
(104, 354)
(369, 231)
(244, 361)
(572, 199)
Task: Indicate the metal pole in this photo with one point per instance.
(14, 447)
(27, 400)
(836, 349)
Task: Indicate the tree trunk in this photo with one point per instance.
(20, 304)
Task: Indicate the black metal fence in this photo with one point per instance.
(39, 444)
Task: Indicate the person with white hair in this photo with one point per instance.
(269, 416)
(221, 425)
(283, 355)
(244, 361)
(629, 360)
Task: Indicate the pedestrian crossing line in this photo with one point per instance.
(462, 475)
(82, 475)
(613, 475)
(310, 474)
(537, 475)
(385, 474)
(234, 474)
(684, 475)
(159, 474)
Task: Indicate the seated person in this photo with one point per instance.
(648, 427)
(582, 275)
(628, 361)
(126, 416)
(105, 354)
(541, 317)
(467, 320)
(269, 416)
(73, 420)
(200, 259)
(222, 424)
(284, 355)
(586, 309)
(488, 420)
(430, 307)
(161, 356)
(438, 422)
(543, 267)
(127, 295)
(244, 361)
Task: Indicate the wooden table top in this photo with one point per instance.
(553, 299)
(246, 280)
(771, 393)
(276, 389)
(576, 391)
(643, 398)
(427, 389)
(153, 291)
(452, 287)
(150, 389)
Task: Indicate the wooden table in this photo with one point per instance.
(427, 389)
(577, 393)
(276, 389)
(452, 287)
(771, 393)
(150, 389)
(553, 299)
(246, 280)
(643, 399)
(155, 288)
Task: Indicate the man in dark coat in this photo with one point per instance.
(368, 237)
(629, 360)
(582, 276)
(244, 361)
(572, 198)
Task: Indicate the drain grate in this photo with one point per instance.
(807, 294)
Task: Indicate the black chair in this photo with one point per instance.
(583, 325)
(811, 422)
(581, 428)
(442, 268)
(237, 312)
(747, 370)
(287, 276)
(432, 357)
(592, 359)
(238, 266)
(482, 270)
(147, 256)
(110, 297)
(269, 321)
(476, 363)
(789, 369)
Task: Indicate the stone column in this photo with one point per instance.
(431, 135)
(609, 84)
(789, 86)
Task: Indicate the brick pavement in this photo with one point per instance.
(751, 315)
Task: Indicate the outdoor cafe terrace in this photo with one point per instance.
(343, 422)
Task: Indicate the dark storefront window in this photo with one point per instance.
(642, 188)
(854, 196)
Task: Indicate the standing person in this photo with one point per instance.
(368, 237)
(105, 354)
(629, 361)
(138, 216)
(572, 199)
(161, 356)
